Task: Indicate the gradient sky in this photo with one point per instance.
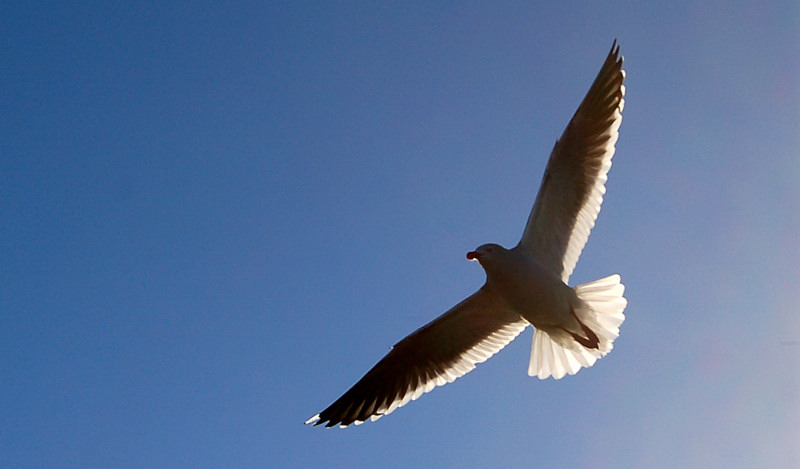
(216, 218)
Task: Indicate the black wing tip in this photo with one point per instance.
(613, 54)
(316, 421)
(330, 421)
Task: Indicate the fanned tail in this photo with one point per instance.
(603, 316)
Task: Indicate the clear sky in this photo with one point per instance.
(214, 219)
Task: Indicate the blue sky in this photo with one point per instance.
(217, 218)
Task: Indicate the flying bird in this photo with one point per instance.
(525, 285)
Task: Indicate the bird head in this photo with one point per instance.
(486, 253)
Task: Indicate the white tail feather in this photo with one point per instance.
(603, 316)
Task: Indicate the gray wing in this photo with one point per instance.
(436, 354)
(573, 185)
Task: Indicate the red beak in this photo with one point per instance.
(473, 255)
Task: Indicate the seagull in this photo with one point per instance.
(525, 285)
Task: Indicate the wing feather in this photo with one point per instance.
(436, 354)
(573, 185)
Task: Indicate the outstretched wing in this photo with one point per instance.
(436, 354)
(574, 182)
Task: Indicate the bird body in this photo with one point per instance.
(552, 307)
(526, 285)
